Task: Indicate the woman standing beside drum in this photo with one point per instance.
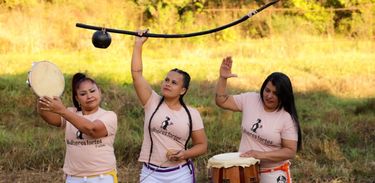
(89, 132)
(270, 126)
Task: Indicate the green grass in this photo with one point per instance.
(333, 80)
(337, 121)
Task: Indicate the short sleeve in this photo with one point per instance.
(238, 100)
(109, 120)
(289, 131)
(197, 119)
(152, 101)
(244, 99)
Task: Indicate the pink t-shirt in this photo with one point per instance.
(89, 156)
(169, 130)
(262, 130)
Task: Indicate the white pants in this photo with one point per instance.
(97, 179)
(278, 176)
(182, 175)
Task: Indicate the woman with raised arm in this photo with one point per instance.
(89, 132)
(270, 126)
(168, 125)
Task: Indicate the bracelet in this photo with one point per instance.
(140, 70)
(225, 97)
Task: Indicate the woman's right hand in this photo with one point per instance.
(54, 105)
(140, 39)
(44, 109)
(226, 68)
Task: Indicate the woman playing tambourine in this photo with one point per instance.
(89, 132)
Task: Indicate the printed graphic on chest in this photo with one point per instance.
(79, 135)
(256, 125)
(164, 124)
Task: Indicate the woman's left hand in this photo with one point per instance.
(140, 39)
(252, 153)
(176, 156)
(54, 104)
(226, 68)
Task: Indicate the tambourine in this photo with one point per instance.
(46, 79)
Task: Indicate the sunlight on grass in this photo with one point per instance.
(340, 66)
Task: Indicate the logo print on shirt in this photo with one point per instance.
(166, 123)
(79, 135)
(256, 125)
(281, 179)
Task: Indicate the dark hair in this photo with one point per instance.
(284, 92)
(78, 78)
(186, 83)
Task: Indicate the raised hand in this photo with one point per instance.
(226, 68)
(54, 105)
(140, 39)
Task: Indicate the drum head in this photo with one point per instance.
(46, 79)
(226, 160)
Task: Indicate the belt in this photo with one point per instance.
(164, 169)
(284, 167)
(112, 173)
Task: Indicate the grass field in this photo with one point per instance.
(334, 82)
(333, 79)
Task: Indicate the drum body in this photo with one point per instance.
(45, 79)
(231, 168)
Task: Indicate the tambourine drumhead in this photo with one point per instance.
(46, 79)
(226, 160)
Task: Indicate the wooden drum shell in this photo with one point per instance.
(235, 174)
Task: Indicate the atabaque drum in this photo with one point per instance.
(231, 168)
(46, 79)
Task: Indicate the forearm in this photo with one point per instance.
(49, 117)
(278, 155)
(136, 63)
(82, 124)
(195, 151)
(221, 95)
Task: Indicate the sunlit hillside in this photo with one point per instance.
(340, 65)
